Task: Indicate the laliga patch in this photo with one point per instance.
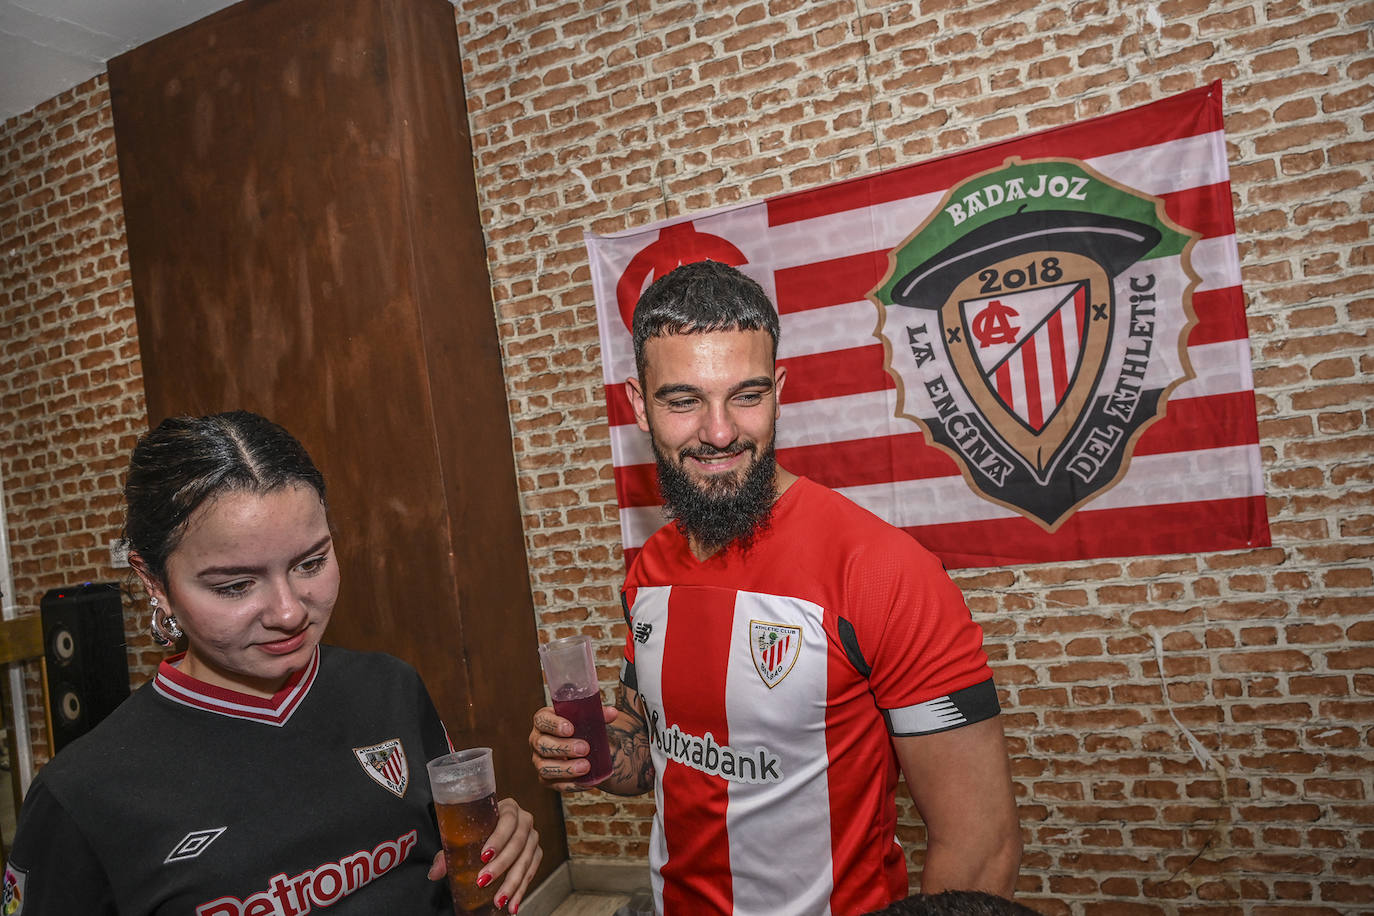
(774, 647)
(385, 764)
(1035, 325)
(12, 900)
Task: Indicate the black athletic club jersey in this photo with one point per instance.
(772, 681)
(198, 801)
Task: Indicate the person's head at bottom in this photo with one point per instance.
(955, 903)
(229, 534)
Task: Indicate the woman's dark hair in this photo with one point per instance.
(186, 460)
(700, 297)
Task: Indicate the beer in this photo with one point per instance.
(582, 707)
(464, 789)
(464, 828)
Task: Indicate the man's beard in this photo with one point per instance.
(721, 511)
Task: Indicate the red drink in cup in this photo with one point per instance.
(571, 675)
(583, 709)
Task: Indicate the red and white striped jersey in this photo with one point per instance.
(772, 680)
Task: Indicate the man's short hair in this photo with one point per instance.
(700, 297)
(955, 903)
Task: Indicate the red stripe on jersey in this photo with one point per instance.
(863, 878)
(695, 660)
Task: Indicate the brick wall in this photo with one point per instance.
(71, 390)
(608, 115)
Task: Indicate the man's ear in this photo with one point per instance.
(779, 377)
(635, 393)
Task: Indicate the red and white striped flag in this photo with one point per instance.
(1028, 352)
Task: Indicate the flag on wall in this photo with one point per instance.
(1031, 351)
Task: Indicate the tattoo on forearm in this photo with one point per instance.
(631, 762)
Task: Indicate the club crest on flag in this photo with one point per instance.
(385, 764)
(774, 647)
(1035, 324)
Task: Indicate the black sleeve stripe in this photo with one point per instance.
(627, 668)
(963, 707)
(849, 641)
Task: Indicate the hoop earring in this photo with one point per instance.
(163, 626)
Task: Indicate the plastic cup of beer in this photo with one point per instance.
(464, 788)
(570, 672)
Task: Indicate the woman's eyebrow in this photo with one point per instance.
(215, 571)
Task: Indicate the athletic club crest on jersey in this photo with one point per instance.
(775, 648)
(1035, 324)
(386, 765)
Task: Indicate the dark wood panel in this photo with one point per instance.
(304, 242)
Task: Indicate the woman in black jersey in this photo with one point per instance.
(259, 773)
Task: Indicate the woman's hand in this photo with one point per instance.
(512, 850)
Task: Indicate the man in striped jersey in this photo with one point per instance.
(787, 653)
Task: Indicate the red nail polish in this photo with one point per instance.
(515, 908)
(488, 855)
(501, 901)
(483, 880)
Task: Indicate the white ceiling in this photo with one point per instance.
(49, 46)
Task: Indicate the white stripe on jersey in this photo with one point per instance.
(779, 831)
(789, 719)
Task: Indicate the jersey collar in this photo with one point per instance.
(274, 710)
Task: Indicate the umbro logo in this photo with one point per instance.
(642, 631)
(193, 844)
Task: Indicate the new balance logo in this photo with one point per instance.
(193, 844)
(642, 631)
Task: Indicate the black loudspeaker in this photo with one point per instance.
(88, 662)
